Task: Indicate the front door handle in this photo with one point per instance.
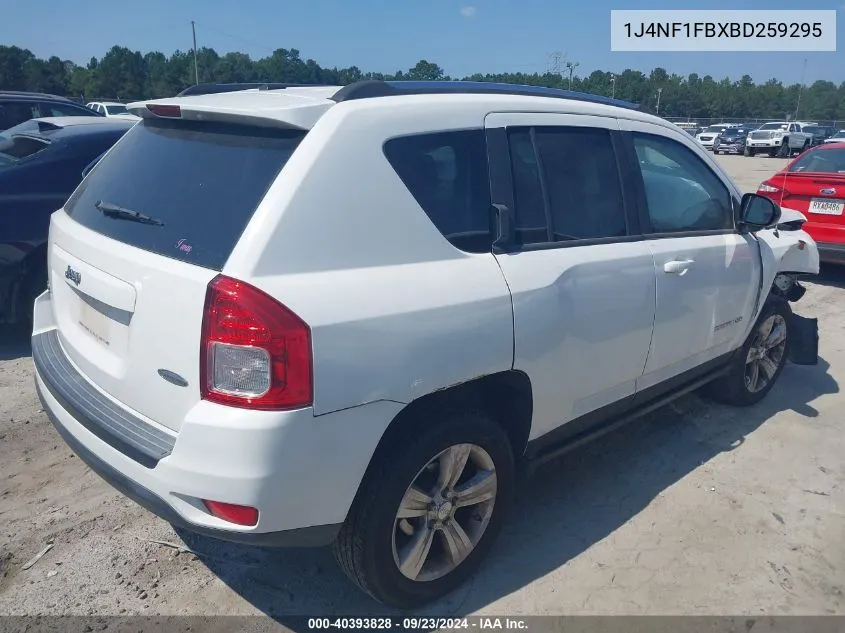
(678, 266)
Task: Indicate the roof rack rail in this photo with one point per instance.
(29, 93)
(371, 88)
(212, 88)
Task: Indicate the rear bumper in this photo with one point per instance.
(831, 253)
(315, 536)
(299, 470)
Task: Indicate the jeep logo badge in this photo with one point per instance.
(74, 276)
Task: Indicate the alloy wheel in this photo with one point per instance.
(766, 353)
(444, 512)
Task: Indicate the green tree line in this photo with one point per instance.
(125, 74)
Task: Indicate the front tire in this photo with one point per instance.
(749, 151)
(761, 360)
(429, 508)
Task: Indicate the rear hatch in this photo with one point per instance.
(136, 245)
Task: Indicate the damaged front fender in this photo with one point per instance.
(785, 254)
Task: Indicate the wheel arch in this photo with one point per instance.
(506, 397)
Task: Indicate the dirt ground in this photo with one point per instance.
(698, 509)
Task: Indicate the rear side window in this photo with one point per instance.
(62, 109)
(202, 182)
(447, 174)
(566, 185)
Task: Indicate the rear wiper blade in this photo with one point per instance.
(113, 211)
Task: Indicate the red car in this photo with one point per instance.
(814, 184)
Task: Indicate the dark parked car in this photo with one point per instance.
(731, 141)
(41, 163)
(17, 107)
(820, 133)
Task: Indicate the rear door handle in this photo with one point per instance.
(678, 266)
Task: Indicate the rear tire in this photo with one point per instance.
(376, 546)
(761, 360)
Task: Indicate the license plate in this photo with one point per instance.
(823, 206)
(94, 323)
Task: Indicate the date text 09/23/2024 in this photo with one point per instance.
(418, 623)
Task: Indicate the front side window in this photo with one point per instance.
(446, 173)
(682, 192)
(566, 184)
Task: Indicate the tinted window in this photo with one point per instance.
(15, 148)
(14, 112)
(568, 175)
(530, 220)
(62, 109)
(682, 192)
(824, 161)
(116, 109)
(447, 174)
(203, 181)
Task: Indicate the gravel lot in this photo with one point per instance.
(698, 509)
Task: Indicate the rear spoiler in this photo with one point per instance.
(296, 114)
(212, 88)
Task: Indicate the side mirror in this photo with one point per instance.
(758, 212)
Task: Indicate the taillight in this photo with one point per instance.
(767, 188)
(255, 353)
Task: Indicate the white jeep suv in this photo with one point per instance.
(351, 315)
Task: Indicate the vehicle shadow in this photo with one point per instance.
(560, 512)
(830, 275)
(14, 342)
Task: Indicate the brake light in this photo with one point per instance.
(255, 353)
(164, 110)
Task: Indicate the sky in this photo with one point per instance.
(463, 36)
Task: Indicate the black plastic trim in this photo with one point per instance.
(610, 417)
(110, 422)
(316, 536)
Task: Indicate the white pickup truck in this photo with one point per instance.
(780, 138)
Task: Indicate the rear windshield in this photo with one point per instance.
(15, 148)
(200, 182)
(823, 161)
